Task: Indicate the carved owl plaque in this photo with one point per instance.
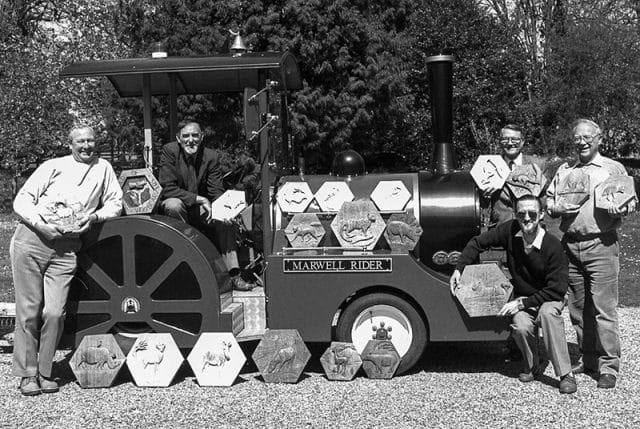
(483, 290)
(526, 179)
(304, 230)
(390, 195)
(358, 224)
(331, 195)
(402, 233)
(616, 191)
(573, 188)
(490, 171)
(140, 191)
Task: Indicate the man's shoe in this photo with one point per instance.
(29, 386)
(238, 283)
(48, 385)
(525, 377)
(607, 381)
(568, 384)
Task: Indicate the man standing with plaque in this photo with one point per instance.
(591, 243)
(538, 268)
(58, 203)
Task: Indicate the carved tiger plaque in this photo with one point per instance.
(358, 224)
(304, 230)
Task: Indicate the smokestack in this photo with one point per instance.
(440, 71)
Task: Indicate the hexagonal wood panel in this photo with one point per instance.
(341, 361)
(140, 191)
(358, 224)
(526, 179)
(390, 195)
(483, 290)
(380, 359)
(573, 188)
(294, 197)
(216, 359)
(402, 233)
(304, 230)
(228, 205)
(154, 360)
(616, 191)
(97, 361)
(63, 212)
(490, 171)
(281, 356)
(332, 195)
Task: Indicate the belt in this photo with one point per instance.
(604, 236)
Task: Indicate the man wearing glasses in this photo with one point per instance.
(538, 267)
(591, 243)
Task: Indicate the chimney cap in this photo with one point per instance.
(436, 58)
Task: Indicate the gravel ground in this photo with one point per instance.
(456, 385)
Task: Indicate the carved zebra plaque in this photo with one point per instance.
(390, 195)
(281, 356)
(526, 179)
(358, 224)
(294, 197)
(341, 361)
(228, 205)
(483, 290)
(490, 171)
(616, 191)
(573, 188)
(97, 361)
(154, 360)
(304, 230)
(402, 233)
(140, 191)
(332, 195)
(380, 359)
(216, 359)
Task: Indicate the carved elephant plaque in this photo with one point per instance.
(216, 359)
(573, 188)
(341, 361)
(304, 230)
(483, 290)
(402, 233)
(281, 356)
(154, 359)
(97, 361)
(358, 224)
(490, 171)
(380, 359)
(616, 191)
(140, 191)
(526, 179)
(332, 195)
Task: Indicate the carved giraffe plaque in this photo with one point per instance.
(573, 187)
(140, 191)
(281, 356)
(390, 195)
(380, 359)
(228, 205)
(490, 171)
(526, 179)
(402, 233)
(332, 195)
(304, 230)
(154, 359)
(97, 361)
(616, 191)
(341, 361)
(294, 197)
(358, 224)
(483, 290)
(216, 359)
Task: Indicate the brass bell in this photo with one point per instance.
(238, 46)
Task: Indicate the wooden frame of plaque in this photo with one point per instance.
(140, 191)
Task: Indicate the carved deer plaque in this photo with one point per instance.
(281, 356)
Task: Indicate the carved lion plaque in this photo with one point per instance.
(341, 361)
(616, 191)
(281, 356)
(483, 290)
(228, 205)
(390, 195)
(154, 359)
(573, 188)
(490, 171)
(358, 224)
(380, 359)
(331, 195)
(304, 230)
(140, 191)
(294, 197)
(526, 179)
(97, 361)
(402, 233)
(216, 359)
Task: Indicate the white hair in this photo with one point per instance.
(589, 122)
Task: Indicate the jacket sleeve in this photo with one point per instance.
(498, 236)
(214, 178)
(556, 281)
(168, 178)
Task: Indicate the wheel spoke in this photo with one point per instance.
(101, 278)
(100, 328)
(161, 273)
(178, 306)
(92, 307)
(129, 260)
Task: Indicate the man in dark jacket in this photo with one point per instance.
(538, 267)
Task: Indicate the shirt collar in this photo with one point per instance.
(597, 161)
(516, 161)
(537, 242)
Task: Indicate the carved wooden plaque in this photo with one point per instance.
(281, 356)
(216, 359)
(616, 191)
(490, 171)
(358, 224)
(294, 197)
(304, 230)
(63, 212)
(97, 361)
(228, 205)
(402, 233)
(526, 179)
(331, 195)
(341, 361)
(140, 191)
(154, 360)
(483, 290)
(390, 195)
(573, 188)
(380, 359)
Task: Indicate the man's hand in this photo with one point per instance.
(625, 210)
(206, 205)
(454, 281)
(49, 231)
(489, 191)
(510, 308)
(85, 222)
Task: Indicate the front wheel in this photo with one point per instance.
(360, 320)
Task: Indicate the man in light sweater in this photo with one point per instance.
(84, 189)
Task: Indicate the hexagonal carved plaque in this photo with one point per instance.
(402, 233)
(526, 179)
(332, 195)
(294, 197)
(390, 195)
(140, 191)
(281, 356)
(154, 360)
(304, 230)
(490, 171)
(573, 188)
(228, 205)
(380, 359)
(483, 290)
(216, 359)
(358, 224)
(341, 361)
(616, 191)
(97, 361)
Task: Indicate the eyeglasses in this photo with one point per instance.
(533, 215)
(587, 139)
(506, 140)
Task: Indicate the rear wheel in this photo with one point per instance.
(366, 314)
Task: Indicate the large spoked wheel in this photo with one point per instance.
(140, 274)
(360, 320)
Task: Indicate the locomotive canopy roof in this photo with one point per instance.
(193, 75)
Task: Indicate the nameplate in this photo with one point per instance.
(339, 265)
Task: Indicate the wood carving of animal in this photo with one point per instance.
(350, 227)
(292, 198)
(150, 357)
(609, 191)
(283, 357)
(342, 357)
(401, 230)
(218, 357)
(382, 357)
(98, 356)
(304, 233)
